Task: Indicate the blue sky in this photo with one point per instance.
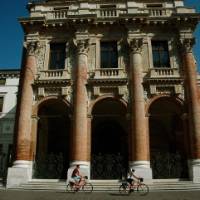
(11, 34)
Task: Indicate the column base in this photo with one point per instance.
(142, 169)
(19, 173)
(194, 170)
(84, 168)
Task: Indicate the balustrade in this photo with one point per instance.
(54, 74)
(108, 12)
(164, 72)
(110, 73)
(160, 12)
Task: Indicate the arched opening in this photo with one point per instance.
(52, 150)
(109, 159)
(167, 139)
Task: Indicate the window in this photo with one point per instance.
(160, 54)
(57, 56)
(109, 55)
(1, 104)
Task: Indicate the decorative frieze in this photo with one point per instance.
(166, 89)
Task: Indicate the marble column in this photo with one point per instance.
(80, 136)
(193, 102)
(21, 171)
(139, 137)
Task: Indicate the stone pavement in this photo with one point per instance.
(52, 195)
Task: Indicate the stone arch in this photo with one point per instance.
(157, 97)
(109, 126)
(43, 100)
(93, 103)
(168, 137)
(52, 141)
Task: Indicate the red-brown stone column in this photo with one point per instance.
(193, 102)
(80, 137)
(23, 120)
(139, 137)
(22, 166)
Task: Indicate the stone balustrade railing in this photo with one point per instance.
(164, 72)
(53, 74)
(108, 12)
(109, 73)
(160, 12)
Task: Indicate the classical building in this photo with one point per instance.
(109, 85)
(9, 80)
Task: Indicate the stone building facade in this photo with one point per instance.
(9, 80)
(108, 85)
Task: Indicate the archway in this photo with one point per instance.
(167, 139)
(109, 140)
(52, 150)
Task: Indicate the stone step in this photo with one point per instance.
(111, 185)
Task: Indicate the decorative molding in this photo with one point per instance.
(41, 55)
(136, 45)
(82, 46)
(187, 44)
(33, 48)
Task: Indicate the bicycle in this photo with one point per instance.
(139, 186)
(82, 185)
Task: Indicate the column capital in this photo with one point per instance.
(32, 48)
(187, 44)
(135, 45)
(82, 46)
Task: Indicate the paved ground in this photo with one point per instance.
(50, 195)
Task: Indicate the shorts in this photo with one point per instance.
(77, 178)
(130, 180)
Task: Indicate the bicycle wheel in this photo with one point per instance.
(88, 187)
(123, 189)
(143, 189)
(69, 188)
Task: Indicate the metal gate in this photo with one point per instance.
(108, 166)
(49, 167)
(168, 165)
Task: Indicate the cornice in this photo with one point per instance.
(52, 82)
(108, 81)
(9, 74)
(164, 80)
(138, 19)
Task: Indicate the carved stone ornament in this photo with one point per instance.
(187, 44)
(136, 45)
(82, 46)
(32, 48)
(41, 56)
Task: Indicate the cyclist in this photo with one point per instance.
(132, 178)
(76, 176)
